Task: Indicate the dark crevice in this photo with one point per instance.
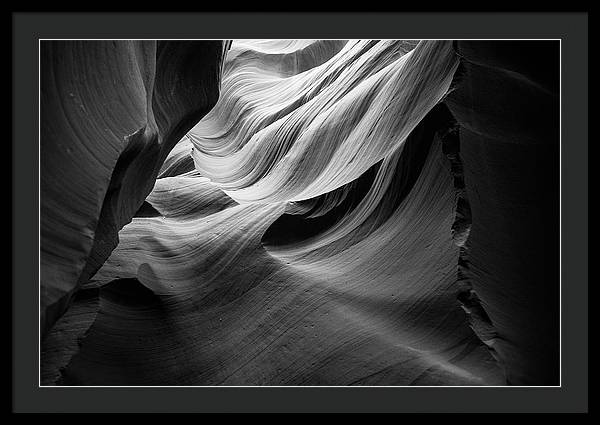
(147, 210)
(478, 319)
(290, 228)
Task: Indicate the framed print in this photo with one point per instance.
(242, 213)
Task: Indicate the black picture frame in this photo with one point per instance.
(570, 28)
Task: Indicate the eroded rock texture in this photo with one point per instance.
(110, 114)
(354, 212)
(508, 108)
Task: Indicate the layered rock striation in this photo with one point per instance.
(299, 212)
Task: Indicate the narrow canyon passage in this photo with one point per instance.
(299, 212)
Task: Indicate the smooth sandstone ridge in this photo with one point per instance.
(299, 212)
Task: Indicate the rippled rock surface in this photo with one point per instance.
(299, 212)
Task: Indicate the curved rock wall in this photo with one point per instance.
(508, 109)
(110, 114)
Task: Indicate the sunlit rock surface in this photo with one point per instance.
(353, 212)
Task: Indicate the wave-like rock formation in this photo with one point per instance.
(299, 212)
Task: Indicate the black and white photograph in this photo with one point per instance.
(299, 212)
